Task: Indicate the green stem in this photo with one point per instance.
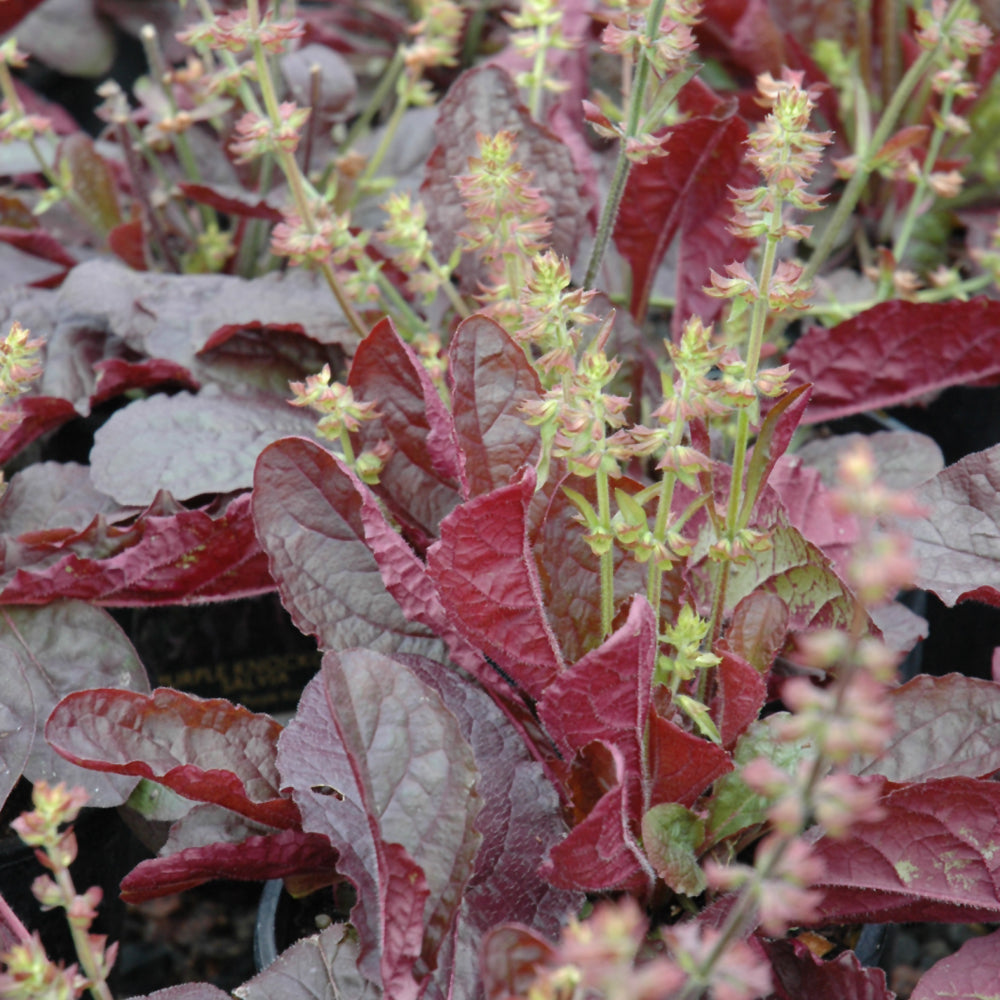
(98, 987)
(623, 164)
(607, 557)
(388, 134)
(538, 71)
(852, 192)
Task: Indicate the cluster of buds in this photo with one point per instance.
(235, 32)
(668, 46)
(786, 152)
(256, 135)
(437, 35)
(16, 125)
(508, 217)
(341, 416)
(687, 637)
(20, 365)
(29, 973)
(537, 29)
(405, 230)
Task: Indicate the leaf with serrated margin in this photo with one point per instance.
(279, 855)
(485, 572)
(490, 378)
(957, 541)
(420, 479)
(60, 648)
(188, 991)
(894, 353)
(798, 973)
(321, 967)
(512, 959)
(944, 727)
(972, 973)
(209, 750)
(404, 816)
(308, 510)
(933, 856)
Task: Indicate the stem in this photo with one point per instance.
(608, 557)
(852, 193)
(388, 134)
(81, 940)
(538, 71)
(623, 164)
(296, 182)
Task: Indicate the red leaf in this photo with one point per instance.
(933, 857)
(681, 764)
(945, 726)
(972, 973)
(13, 11)
(798, 974)
(512, 957)
(159, 558)
(488, 582)
(684, 194)
(308, 512)
(420, 479)
(278, 855)
(757, 630)
(232, 200)
(895, 352)
(127, 241)
(742, 692)
(38, 243)
(204, 749)
(38, 415)
(405, 806)
(490, 378)
(115, 377)
(957, 540)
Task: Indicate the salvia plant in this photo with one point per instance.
(507, 345)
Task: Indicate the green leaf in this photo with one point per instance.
(734, 806)
(672, 835)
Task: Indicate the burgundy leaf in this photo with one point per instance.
(957, 541)
(932, 857)
(810, 509)
(742, 692)
(188, 991)
(601, 853)
(91, 177)
(569, 572)
(115, 377)
(14, 11)
(488, 582)
(188, 444)
(757, 630)
(204, 749)
(277, 855)
(606, 695)
(232, 200)
(490, 378)
(687, 194)
(798, 973)
(486, 100)
(420, 479)
(127, 241)
(945, 727)
(895, 352)
(681, 764)
(378, 765)
(321, 967)
(58, 649)
(38, 243)
(308, 512)
(521, 816)
(972, 973)
(512, 958)
(37, 416)
(183, 556)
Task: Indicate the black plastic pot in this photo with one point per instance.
(282, 920)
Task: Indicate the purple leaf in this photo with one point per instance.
(321, 967)
(685, 194)
(60, 648)
(945, 727)
(957, 541)
(512, 958)
(490, 378)
(420, 478)
(378, 765)
(278, 855)
(932, 857)
(896, 352)
(798, 973)
(204, 749)
(972, 973)
(188, 991)
(18, 722)
(488, 582)
(485, 100)
(188, 445)
(308, 512)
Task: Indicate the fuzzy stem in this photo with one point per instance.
(98, 987)
(852, 192)
(607, 557)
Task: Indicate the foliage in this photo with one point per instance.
(608, 702)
